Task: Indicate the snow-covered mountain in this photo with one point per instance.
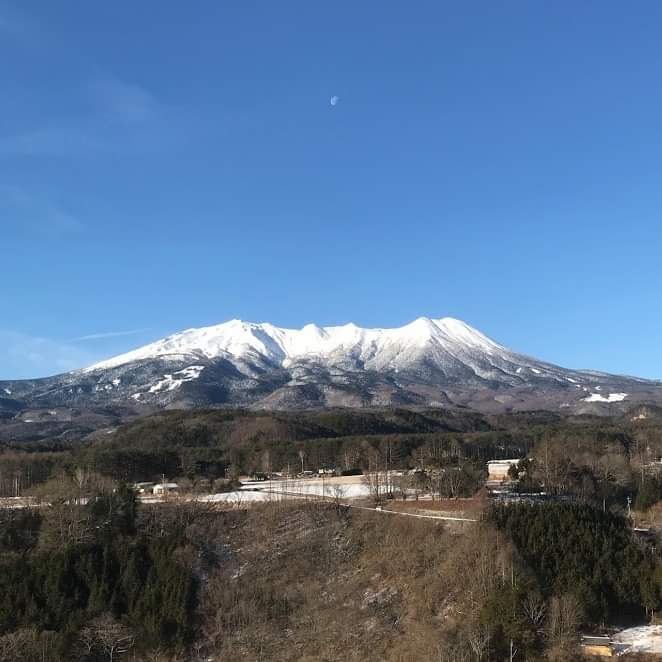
(373, 349)
(429, 362)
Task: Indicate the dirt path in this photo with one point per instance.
(404, 514)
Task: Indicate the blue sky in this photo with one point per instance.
(165, 165)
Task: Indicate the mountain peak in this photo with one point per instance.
(237, 339)
(426, 362)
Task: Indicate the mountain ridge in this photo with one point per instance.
(428, 362)
(288, 344)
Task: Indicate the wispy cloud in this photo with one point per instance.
(113, 115)
(108, 334)
(57, 140)
(33, 213)
(24, 356)
(124, 101)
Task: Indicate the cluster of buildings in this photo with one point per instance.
(277, 475)
(500, 483)
(498, 471)
(158, 489)
(499, 477)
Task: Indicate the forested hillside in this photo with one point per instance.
(93, 574)
(600, 460)
(311, 582)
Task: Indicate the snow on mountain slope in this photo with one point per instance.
(237, 340)
(430, 351)
(429, 362)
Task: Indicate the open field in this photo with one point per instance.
(341, 486)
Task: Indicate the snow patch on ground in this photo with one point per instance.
(644, 639)
(342, 491)
(611, 397)
(312, 487)
(275, 490)
(237, 497)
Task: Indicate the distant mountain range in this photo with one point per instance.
(429, 362)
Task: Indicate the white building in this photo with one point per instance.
(497, 470)
(144, 488)
(165, 488)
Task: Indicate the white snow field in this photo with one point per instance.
(378, 348)
(644, 639)
(330, 487)
(349, 487)
(236, 497)
(611, 397)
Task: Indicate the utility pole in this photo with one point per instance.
(388, 468)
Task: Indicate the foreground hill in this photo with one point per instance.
(311, 581)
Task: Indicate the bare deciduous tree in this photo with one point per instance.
(565, 615)
(534, 609)
(377, 483)
(479, 640)
(27, 645)
(337, 493)
(107, 636)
